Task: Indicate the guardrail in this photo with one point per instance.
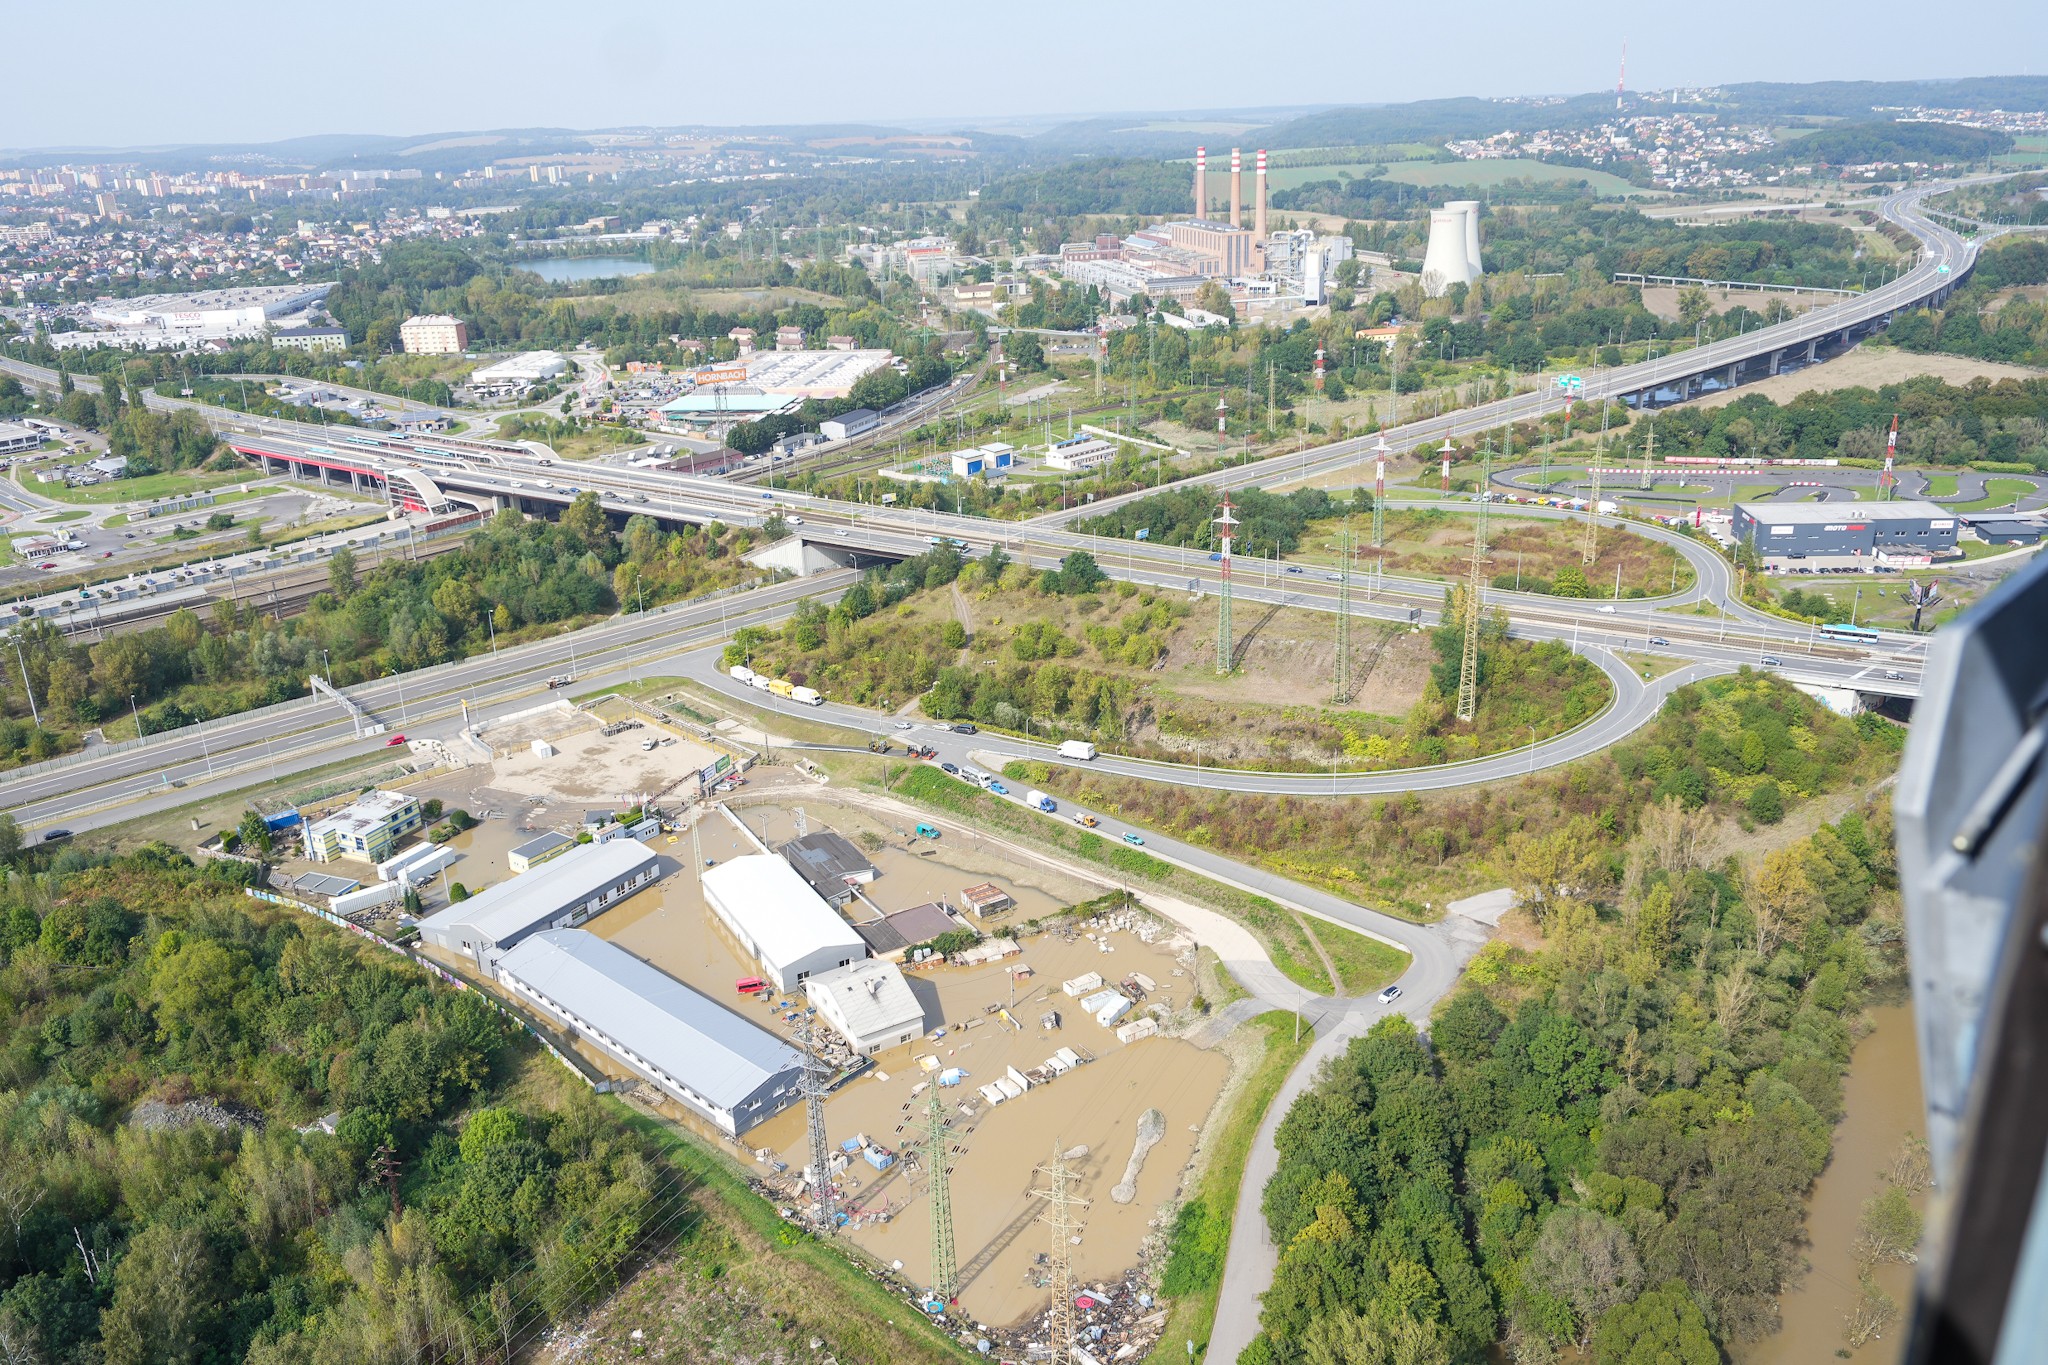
(1748, 286)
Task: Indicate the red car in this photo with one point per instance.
(394, 741)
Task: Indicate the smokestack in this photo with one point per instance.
(1259, 203)
(1236, 187)
(1201, 182)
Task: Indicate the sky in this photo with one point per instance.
(143, 72)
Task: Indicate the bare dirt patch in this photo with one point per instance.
(588, 765)
(1870, 367)
(1663, 300)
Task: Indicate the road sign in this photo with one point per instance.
(1570, 383)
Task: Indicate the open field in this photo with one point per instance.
(1494, 173)
(148, 488)
(1871, 367)
(1438, 544)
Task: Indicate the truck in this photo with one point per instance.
(1038, 800)
(762, 681)
(741, 673)
(780, 688)
(809, 696)
(1077, 748)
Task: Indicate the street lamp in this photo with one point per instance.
(135, 712)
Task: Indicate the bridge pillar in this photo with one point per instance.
(1776, 356)
(1811, 347)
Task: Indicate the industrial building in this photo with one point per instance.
(991, 461)
(1452, 256)
(1803, 530)
(369, 828)
(732, 1073)
(534, 852)
(779, 920)
(16, 439)
(811, 374)
(562, 892)
(205, 314)
(433, 334)
(829, 864)
(869, 1003)
(848, 425)
(1077, 453)
(515, 374)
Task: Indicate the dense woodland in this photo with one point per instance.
(510, 578)
(1993, 317)
(140, 1230)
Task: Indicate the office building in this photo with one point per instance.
(730, 1072)
(16, 439)
(433, 334)
(1801, 530)
(869, 1003)
(779, 920)
(534, 852)
(560, 893)
(848, 425)
(1078, 453)
(369, 828)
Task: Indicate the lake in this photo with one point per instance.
(555, 269)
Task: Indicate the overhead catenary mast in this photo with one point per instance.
(1888, 480)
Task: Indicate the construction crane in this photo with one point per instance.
(938, 1156)
(1061, 1206)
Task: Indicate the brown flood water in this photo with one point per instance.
(1881, 1105)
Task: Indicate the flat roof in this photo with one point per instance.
(826, 858)
(1830, 512)
(518, 903)
(533, 848)
(786, 919)
(671, 1028)
(880, 938)
(922, 923)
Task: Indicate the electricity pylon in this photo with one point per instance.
(1344, 552)
(1061, 1203)
(1468, 666)
(938, 1155)
(812, 1084)
(1225, 646)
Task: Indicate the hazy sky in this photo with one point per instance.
(133, 72)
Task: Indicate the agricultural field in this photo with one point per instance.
(1488, 174)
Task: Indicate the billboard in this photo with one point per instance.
(721, 374)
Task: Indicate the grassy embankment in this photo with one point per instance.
(1200, 1237)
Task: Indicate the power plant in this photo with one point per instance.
(1453, 253)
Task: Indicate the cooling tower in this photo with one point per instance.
(1201, 183)
(1470, 208)
(1236, 186)
(1444, 263)
(1259, 202)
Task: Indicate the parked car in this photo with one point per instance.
(949, 768)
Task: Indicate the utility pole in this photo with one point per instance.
(1225, 647)
(938, 1153)
(1061, 1205)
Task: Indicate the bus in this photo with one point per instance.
(1855, 635)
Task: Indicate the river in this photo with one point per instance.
(1881, 1105)
(556, 269)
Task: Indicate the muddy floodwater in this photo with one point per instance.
(1881, 1105)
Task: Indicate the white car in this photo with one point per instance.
(1605, 611)
(1390, 995)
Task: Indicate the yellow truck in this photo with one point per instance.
(779, 687)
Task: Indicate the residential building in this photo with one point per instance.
(433, 334)
(779, 920)
(729, 1071)
(869, 1003)
(310, 339)
(369, 828)
(560, 893)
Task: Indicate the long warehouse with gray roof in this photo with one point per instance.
(560, 893)
(732, 1073)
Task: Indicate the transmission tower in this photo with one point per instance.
(1591, 550)
(812, 1084)
(1379, 497)
(938, 1155)
(1468, 667)
(1344, 553)
(1061, 1204)
(1225, 646)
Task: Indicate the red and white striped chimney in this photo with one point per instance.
(1259, 204)
(1236, 187)
(1201, 182)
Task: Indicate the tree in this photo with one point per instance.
(1584, 1261)
(1663, 1327)
(955, 634)
(1766, 803)
(341, 573)
(1693, 305)
(1025, 351)
(162, 1298)
(1571, 582)
(254, 832)
(10, 838)
(584, 521)
(1376, 1337)
(1781, 897)
(1079, 573)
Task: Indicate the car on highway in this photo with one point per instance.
(1771, 661)
(1085, 820)
(904, 725)
(1216, 558)
(998, 788)
(794, 521)
(1606, 610)
(394, 741)
(1133, 838)
(1659, 641)
(965, 729)
(51, 836)
(1390, 995)
(1893, 675)
(1294, 568)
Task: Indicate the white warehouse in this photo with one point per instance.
(869, 1003)
(733, 1073)
(778, 918)
(558, 894)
